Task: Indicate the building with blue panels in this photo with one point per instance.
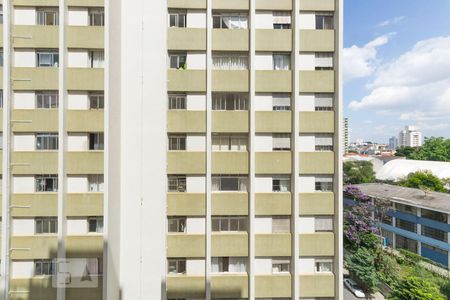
(416, 221)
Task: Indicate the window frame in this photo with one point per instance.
(48, 141)
(96, 183)
(230, 101)
(94, 14)
(179, 265)
(219, 19)
(45, 225)
(96, 141)
(318, 265)
(177, 101)
(179, 222)
(43, 181)
(39, 264)
(53, 58)
(96, 100)
(180, 60)
(180, 183)
(177, 142)
(179, 15)
(241, 181)
(43, 13)
(225, 224)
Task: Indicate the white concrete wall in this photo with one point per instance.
(306, 225)
(78, 16)
(196, 19)
(307, 184)
(25, 58)
(263, 266)
(195, 225)
(307, 143)
(77, 184)
(23, 184)
(263, 143)
(77, 226)
(263, 184)
(77, 142)
(24, 142)
(23, 226)
(195, 184)
(195, 142)
(307, 20)
(22, 269)
(196, 102)
(307, 61)
(306, 102)
(263, 102)
(196, 61)
(306, 266)
(78, 100)
(24, 15)
(264, 20)
(263, 225)
(24, 100)
(264, 61)
(195, 266)
(77, 59)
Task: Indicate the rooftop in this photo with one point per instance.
(415, 197)
(400, 168)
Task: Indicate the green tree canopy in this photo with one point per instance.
(415, 288)
(361, 265)
(434, 148)
(405, 151)
(358, 172)
(423, 180)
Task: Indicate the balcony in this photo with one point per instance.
(317, 40)
(31, 79)
(86, 37)
(230, 121)
(319, 203)
(85, 162)
(273, 121)
(185, 121)
(317, 5)
(85, 120)
(273, 40)
(37, 205)
(179, 286)
(84, 204)
(185, 245)
(273, 204)
(276, 162)
(317, 285)
(230, 81)
(317, 81)
(187, 4)
(273, 5)
(185, 204)
(185, 162)
(230, 162)
(35, 162)
(40, 36)
(86, 3)
(229, 204)
(273, 286)
(316, 122)
(229, 244)
(186, 39)
(271, 81)
(85, 79)
(316, 162)
(40, 120)
(273, 244)
(230, 39)
(230, 4)
(229, 286)
(317, 244)
(186, 80)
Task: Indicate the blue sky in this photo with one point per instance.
(396, 67)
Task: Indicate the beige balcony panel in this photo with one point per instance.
(186, 39)
(185, 204)
(186, 80)
(317, 286)
(40, 36)
(1, 77)
(318, 203)
(1, 35)
(84, 204)
(230, 162)
(85, 162)
(85, 120)
(230, 121)
(76, 3)
(275, 244)
(316, 162)
(230, 39)
(39, 120)
(86, 3)
(317, 244)
(185, 245)
(273, 40)
(312, 40)
(317, 5)
(35, 162)
(270, 204)
(271, 81)
(85, 79)
(185, 121)
(185, 162)
(276, 162)
(273, 5)
(317, 81)
(230, 81)
(273, 121)
(229, 286)
(233, 244)
(273, 286)
(316, 122)
(229, 204)
(84, 246)
(230, 4)
(187, 4)
(32, 79)
(35, 205)
(179, 286)
(85, 37)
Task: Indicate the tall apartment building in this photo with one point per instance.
(53, 141)
(410, 137)
(225, 117)
(393, 143)
(346, 136)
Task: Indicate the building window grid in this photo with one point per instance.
(229, 143)
(177, 142)
(281, 61)
(324, 60)
(95, 182)
(96, 141)
(230, 61)
(281, 184)
(97, 17)
(323, 102)
(227, 101)
(281, 224)
(230, 21)
(96, 100)
(177, 19)
(281, 141)
(176, 183)
(281, 265)
(47, 99)
(46, 141)
(177, 101)
(46, 183)
(176, 224)
(47, 16)
(47, 58)
(281, 20)
(324, 20)
(406, 225)
(406, 208)
(324, 184)
(228, 224)
(231, 183)
(324, 265)
(44, 267)
(176, 266)
(46, 225)
(433, 215)
(95, 224)
(323, 142)
(434, 233)
(96, 58)
(177, 61)
(281, 102)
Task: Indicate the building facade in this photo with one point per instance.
(393, 143)
(346, 137)
(410, 137)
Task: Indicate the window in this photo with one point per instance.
(177, 19)
(44, 267)
(406, 208)
(177, 142)
(324, 184)
(46, 183)
(96, 59)
(1, 58)
(177, 224)
(281, 141)
(281, 224)
(324, 266)
(47, 16)
(46, 141)
(95, 182)
(434, 215)
(1, 14)
(281, 184)
(229, 142)
(324, 20)
(323, 224)
(406, 225)
(47, 58)
(177, 183)
(324, 142)
(435, 249)
(1, 98)
(229, 224)
(96, 141)
(323, 102)
(96, 17)
(47, 99)
(281, 20)
(281, 102)
(95, 224)
(229, 183)
(1, 143)
(281, 265)
(230, 61)
(434, 233)
(281, 61)
(177, 101)
(402, 242)
(226, 101)
(324, 61)
(96, 100)
(177, 61)
(46, 225)
(176, 266)
(228, 264)
(230, 21)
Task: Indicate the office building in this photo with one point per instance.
(410, 137)
(393, 143)
(346, 137)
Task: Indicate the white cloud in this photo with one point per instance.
(361, 62)
(391, 21)
(415, 86)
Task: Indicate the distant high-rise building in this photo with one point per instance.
(393, 143)
(410, 136)
(346, 137)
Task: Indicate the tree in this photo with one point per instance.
(445, 289)
(424, 180)
(415, 288)
(434, 148)
(361, 265)
(405, 151)
(358, 172)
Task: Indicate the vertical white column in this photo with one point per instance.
(295, 252)
(62, 147)
(6, 169)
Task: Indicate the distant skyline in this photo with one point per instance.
(396, 67)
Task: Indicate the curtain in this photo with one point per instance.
(323, 100)
(281, 100)
(215, 265)
(324, 140)
(281, 17)
(215, 183)
(324, 59)
(324, 224)
(243, 184)
(280, 225)
(281, 141)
